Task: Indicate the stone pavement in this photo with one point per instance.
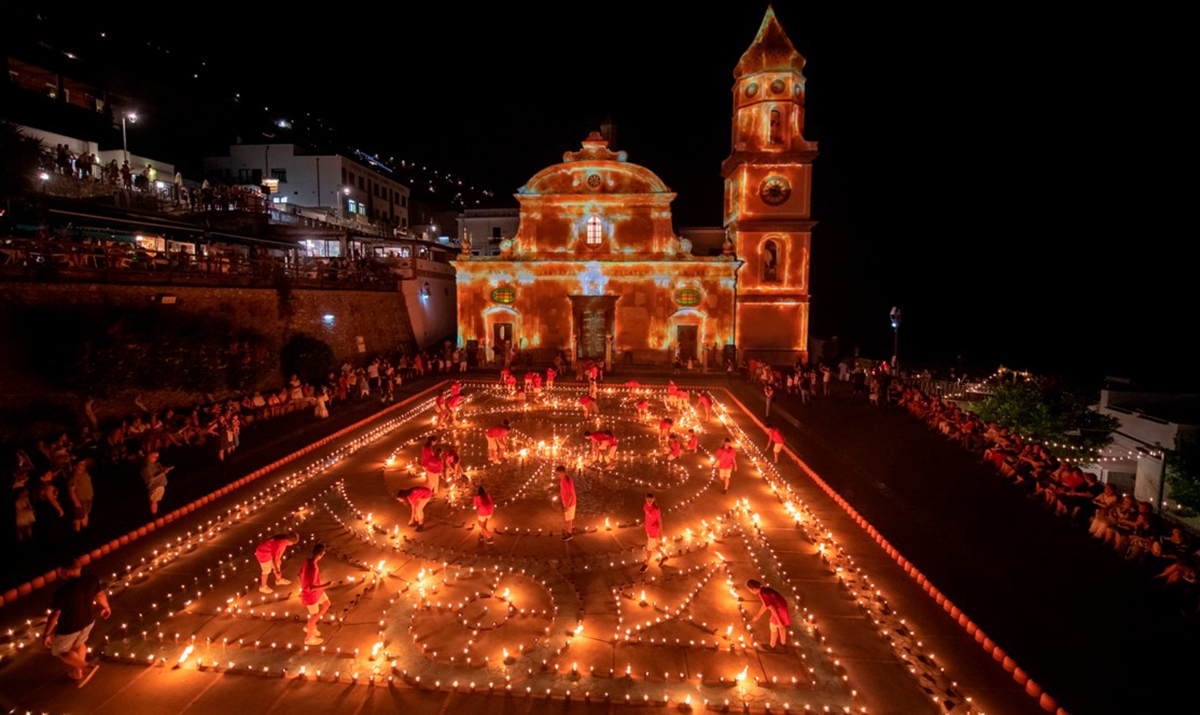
(422, 619)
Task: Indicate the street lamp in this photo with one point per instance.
(132, 117)
(895, 318)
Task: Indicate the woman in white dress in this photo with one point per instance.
(322, 397)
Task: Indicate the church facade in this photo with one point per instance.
(596, 269)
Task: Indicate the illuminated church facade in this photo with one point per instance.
(597, 271)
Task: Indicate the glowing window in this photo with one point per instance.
(687, 297)
(504, 295)
(595, 231)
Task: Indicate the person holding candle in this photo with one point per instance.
(312, 594)
(484, 508)
(664, 432)
(726, 463)
(590, 406)
(705, 404)
(566, 492)
(653, 533)
(693, 442)
(674, 448)
(497, 439)
(453, 462)
(774, 602)
(270, 558)
(452, 406)
(604, 446)
(417, 497)
(775, 441)
(643, 409)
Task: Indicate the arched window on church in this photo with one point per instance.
(770, 262)
(595, 231)
(776, 127)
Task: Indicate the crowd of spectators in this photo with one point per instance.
(54, 482)
(60, 251)
(1163, 550)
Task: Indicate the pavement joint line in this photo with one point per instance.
(1035, 691)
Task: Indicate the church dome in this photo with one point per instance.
(594, 170)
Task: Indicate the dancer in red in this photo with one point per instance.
(313, 596)
(705, 404)
(774, 602)
(604, 447)
(653, 533)
(693, 442)
(664, 431)
(417, 498)
(674, 448)
(643, 409)
(566, 491)
(270, 557)
(484, 508)
(726, 462)
(497, 441)
(775, 441)
(591, 408)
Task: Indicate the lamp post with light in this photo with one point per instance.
(132, 118)
(895, 318)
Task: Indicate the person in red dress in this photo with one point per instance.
(566, 492)
(511, 383)
(604, 446)
(705, 404)
(653, 533)
(453, 464)
(664, 432)
(497, 441)
(643, 409)
(537, 386)
(590, 406)
(633, 384)
(452, 406)
(455, 388)
(550, 375)
(504, 377)
(672, 393)
(313, 596)
(484, 509)
(775, 441)
(774, 603)
(726, 462)
(417, 497)
(674, 448)
(270, 556)
(434, 463)
(693, 442)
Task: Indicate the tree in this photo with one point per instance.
(310, 358)
(1183, 471)
(1040, 410)
(20, 157)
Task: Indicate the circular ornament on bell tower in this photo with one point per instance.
(774, 190)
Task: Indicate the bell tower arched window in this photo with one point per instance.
(595, 231)
(776, 135)
(770, 262)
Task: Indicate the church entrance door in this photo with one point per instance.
(593, 316)
(686, 337)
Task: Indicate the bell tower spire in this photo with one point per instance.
(768, 179)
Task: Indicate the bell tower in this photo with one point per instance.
(768, 179)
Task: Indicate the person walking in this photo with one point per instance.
(79, 489)
(726, 463)
(312, 594)
(72, 616)
(653, 533)
(484, 509)
(270, 558)
(154, 475)
(775, 441)
(768, 393)
(774, 603)
(566, 492)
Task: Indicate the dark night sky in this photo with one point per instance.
(1003, 175)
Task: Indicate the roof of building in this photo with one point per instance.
(596, 170)
(770, 51)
